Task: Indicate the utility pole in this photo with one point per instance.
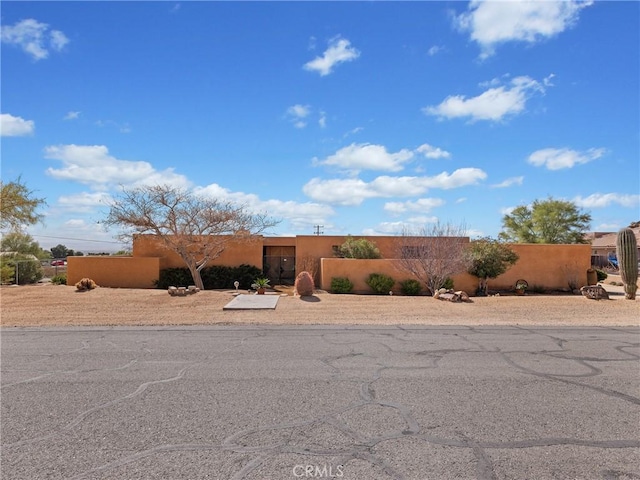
(317, 229)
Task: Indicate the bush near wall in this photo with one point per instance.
(214, 277)
(380, 283)
(341, 285)
(410, 286)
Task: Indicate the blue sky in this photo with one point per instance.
(362, 117)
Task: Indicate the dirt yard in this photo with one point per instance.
(57, 305)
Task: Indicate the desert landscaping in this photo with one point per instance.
(61, 305)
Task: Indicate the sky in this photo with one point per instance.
(360, 118)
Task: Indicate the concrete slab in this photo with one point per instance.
(253, 302)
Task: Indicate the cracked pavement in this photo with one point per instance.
(352, 402)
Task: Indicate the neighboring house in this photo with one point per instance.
(603, 247)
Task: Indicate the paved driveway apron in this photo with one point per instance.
(321, 402)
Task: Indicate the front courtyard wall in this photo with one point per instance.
(550, 267)
(123, 272)
(358, 271)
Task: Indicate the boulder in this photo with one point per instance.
(451, 296)
(595, 292)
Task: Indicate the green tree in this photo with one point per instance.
(18, 205)
(489, 258)
(26, 267)
(546, 221)
(61, 251)
(196, 228)
(22, 243)
(358, 248)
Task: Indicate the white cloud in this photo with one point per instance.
(601, 200)
(420, 205)
(353, 191)
(58, 40)
(122, 127)
(11, 126)
(322, 121)
(459, 178)
(297, 114)
(34, 38)
(365, 156)
(493, 104)
(491, 23)
(300, 215)
(353, 131)
(430, 151)
(83, 202)
(92, 165)
(71, 116)
(339, 51)
(396, 228)
(559, 158)
(434, 50)
(509, 182)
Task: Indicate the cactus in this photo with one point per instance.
(304, 284)
(627, 252)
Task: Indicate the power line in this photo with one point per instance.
(79, 239)
(317, 229)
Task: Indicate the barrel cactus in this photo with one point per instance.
(304, 284)
(627, 252)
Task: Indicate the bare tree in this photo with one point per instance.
(196, 228)
(433, 254)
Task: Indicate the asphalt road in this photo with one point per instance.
(321, 402)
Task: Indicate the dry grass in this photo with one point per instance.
(57, 305)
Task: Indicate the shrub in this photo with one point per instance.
(215, 277)
(410, 286)
(448, 283)
(602, 275)
(7, 274)
(59, 279)
(86, 284)
(360, 248)
(304, 284)
(341, 285)
(26, 267)
(380, 283)
(538, 289)
(487, 259)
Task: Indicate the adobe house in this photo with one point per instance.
(552, 267)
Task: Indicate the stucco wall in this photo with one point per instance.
(551, 267)
(359, 270)
(125, 272)
(236, 252)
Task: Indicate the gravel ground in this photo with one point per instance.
(59, 305)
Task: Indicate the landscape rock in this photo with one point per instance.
(182, 291)
(452, 296)
(595, 292)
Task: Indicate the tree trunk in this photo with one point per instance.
(482, 287)
(197, 278)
